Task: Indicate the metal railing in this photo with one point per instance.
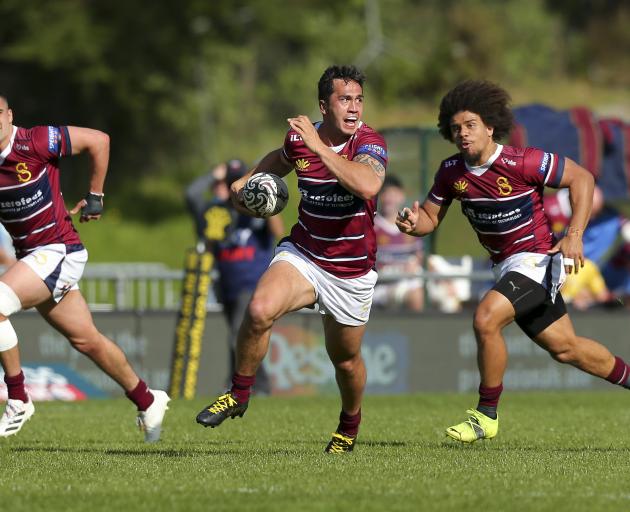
(154, 286)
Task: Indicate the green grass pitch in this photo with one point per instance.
(555, 451)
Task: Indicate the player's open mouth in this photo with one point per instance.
(351, 121)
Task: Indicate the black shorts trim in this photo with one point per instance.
(534, 311)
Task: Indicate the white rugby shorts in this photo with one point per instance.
(536, 267)
(59, 266)
(348, 301)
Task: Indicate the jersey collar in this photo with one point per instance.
(7, 150)
(339, 148)
(478, 170)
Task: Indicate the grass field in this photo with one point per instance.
(555, 451)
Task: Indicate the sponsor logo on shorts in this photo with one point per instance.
(40, 258)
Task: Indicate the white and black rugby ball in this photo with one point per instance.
(265, 194)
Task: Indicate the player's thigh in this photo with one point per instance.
(26, 284)
(494, 309)
(70, 316)
(343, 342)
(283, 288)
(558, 336)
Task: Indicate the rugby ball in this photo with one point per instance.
(265, 194)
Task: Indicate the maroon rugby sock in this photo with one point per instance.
(15, 387)
(242, 386)
(620, 374)
(349, 424)
(141, 396)
(489, 400)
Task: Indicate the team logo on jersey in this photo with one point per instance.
(460, 186)
(507, 161)
(301, 164)
(505, 189)
(23, 174)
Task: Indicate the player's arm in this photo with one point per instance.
(581, 184)
(362, 176)
(276, 227)
(421, 220)
(274, 162)
(96, 144)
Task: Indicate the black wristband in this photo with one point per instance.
(94, 204)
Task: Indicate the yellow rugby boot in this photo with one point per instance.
(226, 406)
(340, 443)
(477, 426)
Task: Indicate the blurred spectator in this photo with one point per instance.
(449, 295)
(616, 272)
(242, 245)
(397, 255)
(587, 288)
(605, 265)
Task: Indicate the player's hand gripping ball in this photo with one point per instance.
(265, 194)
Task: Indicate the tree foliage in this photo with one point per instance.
(179, 85)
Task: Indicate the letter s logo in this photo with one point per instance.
(23, 174)
(505, 189)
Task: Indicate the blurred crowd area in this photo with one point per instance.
(419, 277)
(411, 280)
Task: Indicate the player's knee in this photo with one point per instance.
(88, 341)
(563, 352)
(347, 364)
(9, 301)
(8, 337)
(260, 313)
(484, 321)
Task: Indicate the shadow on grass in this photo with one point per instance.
(386, 444)
(142, 452)
(497, 447)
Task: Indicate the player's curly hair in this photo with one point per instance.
(346, 73)
(486, 99)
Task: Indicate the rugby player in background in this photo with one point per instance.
(51, 259)
(500, 189)
(328, 258)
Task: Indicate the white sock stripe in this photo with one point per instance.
(623, 377)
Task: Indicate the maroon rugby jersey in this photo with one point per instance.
(335, 228)
(502, 199)
(31, 205)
